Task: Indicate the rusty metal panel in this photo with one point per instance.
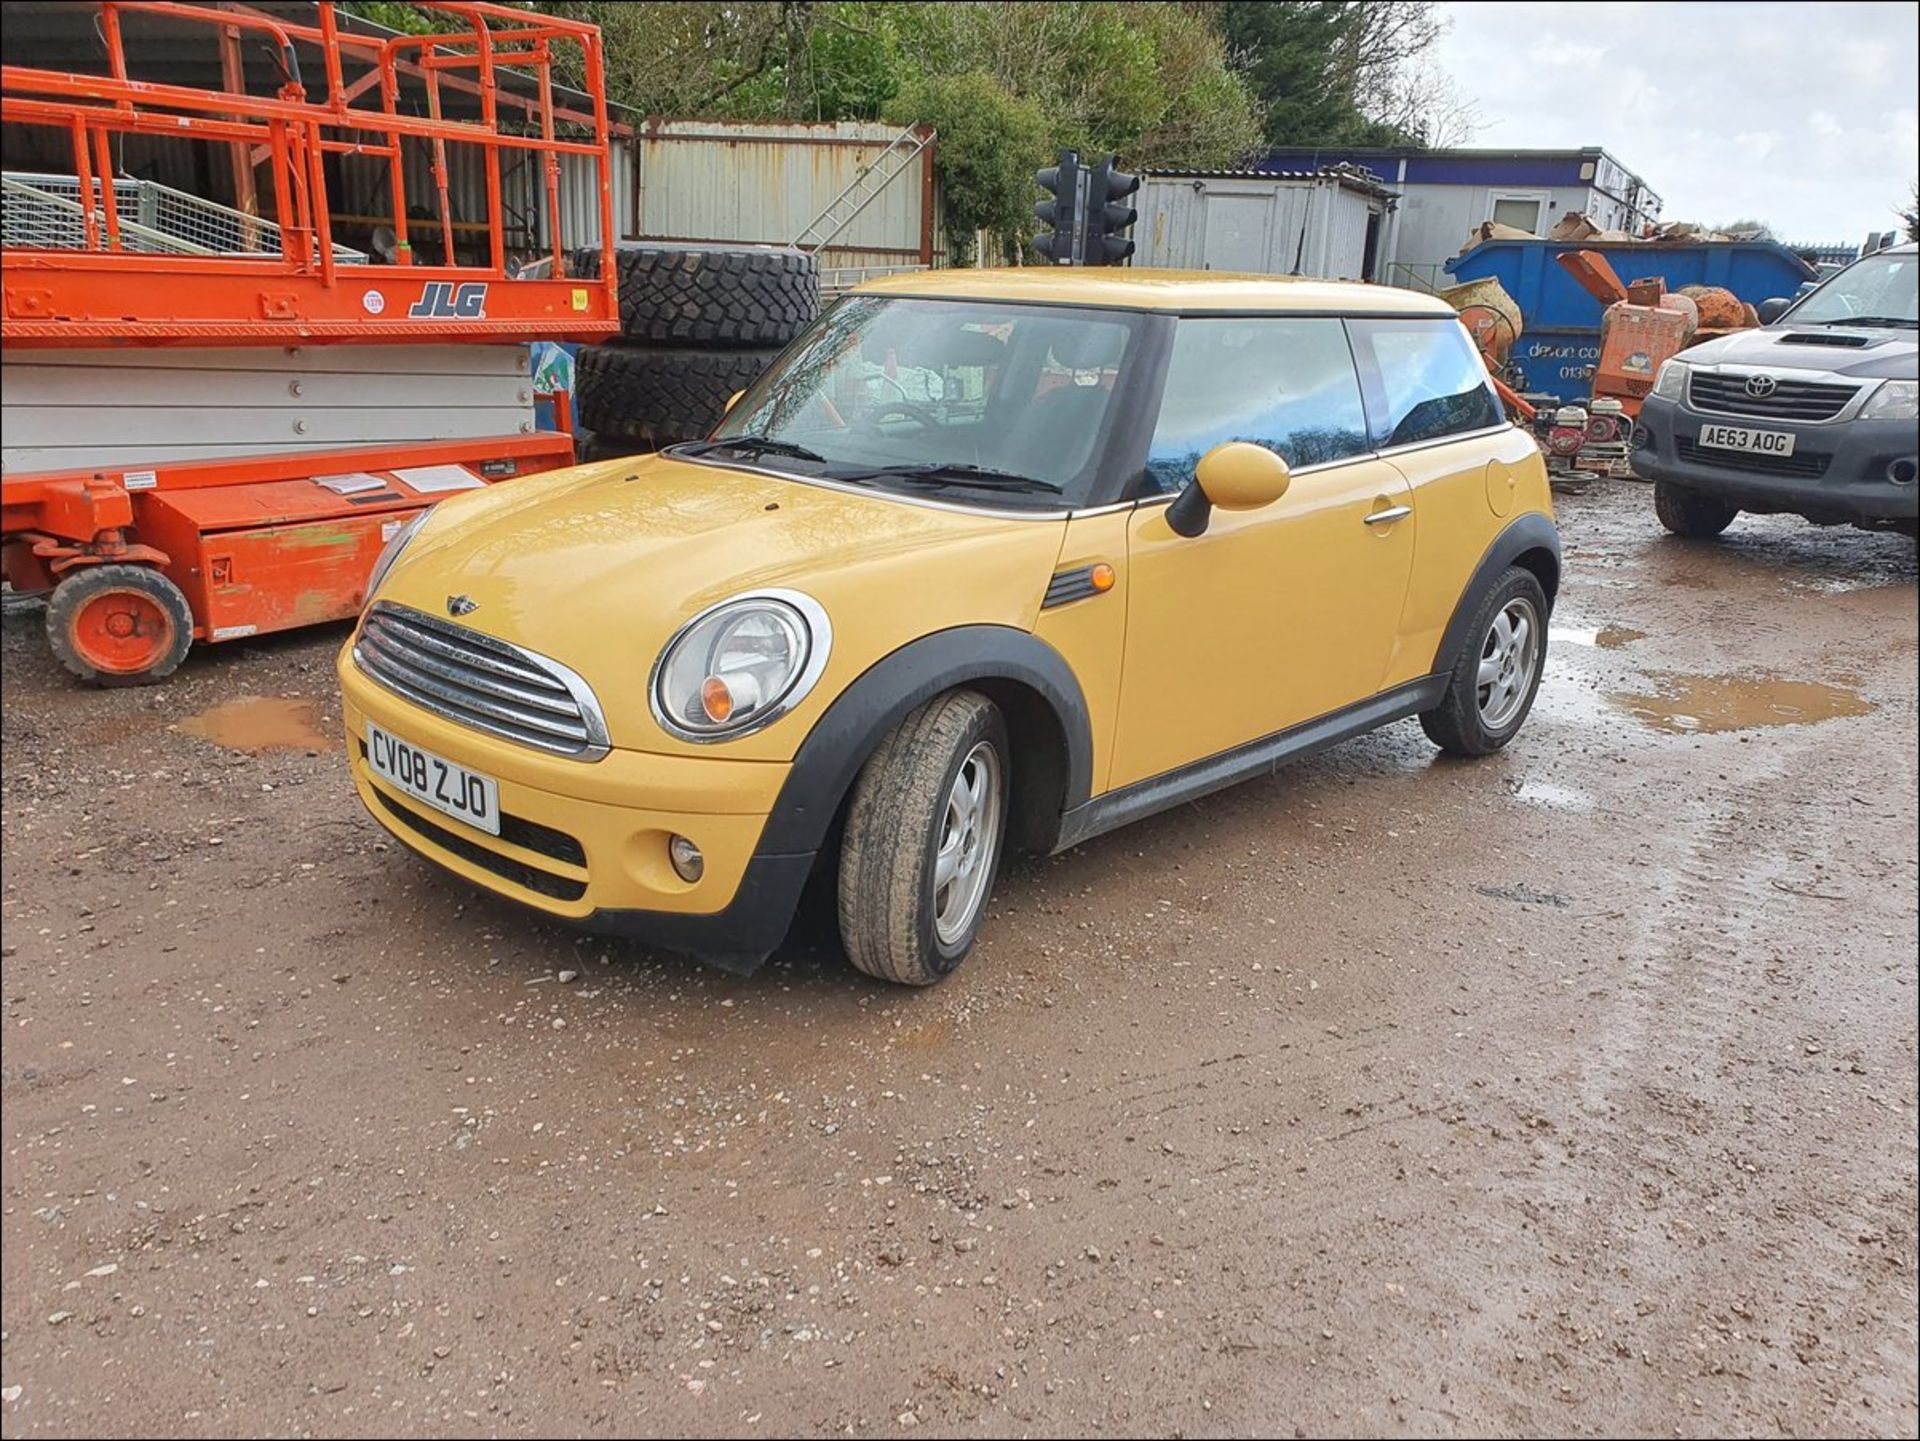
(277, 577)
(762, 184)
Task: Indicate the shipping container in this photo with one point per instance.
(1560, 336)
(1323, 223)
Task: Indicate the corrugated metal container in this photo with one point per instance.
(1324, 224)
(1560, 339)
(366, 193)
(764, 183)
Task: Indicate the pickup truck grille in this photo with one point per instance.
(480, 681)
(1788, 400)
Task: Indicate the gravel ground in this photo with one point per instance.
(1572, 1091)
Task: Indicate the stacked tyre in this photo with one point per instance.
(697, 322)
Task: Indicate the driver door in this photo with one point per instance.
(1275, 616)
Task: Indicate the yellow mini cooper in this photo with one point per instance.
(987, 559)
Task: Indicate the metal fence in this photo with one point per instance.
(45, 212)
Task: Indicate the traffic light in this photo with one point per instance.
(1065, 214)
(1107, 218)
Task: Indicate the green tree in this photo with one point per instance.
(990, 144)
(1344, 72)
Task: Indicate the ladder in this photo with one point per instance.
(885, 168)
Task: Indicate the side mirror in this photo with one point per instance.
(732, 400)
(1236, 476)
(1772, 310)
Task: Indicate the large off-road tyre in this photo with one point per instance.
(1497, 673)
(117, 625)
(659, 394)
(1689, 513)
(924, 836)
(710, 295)
(590, 446)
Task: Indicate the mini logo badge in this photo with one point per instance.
(461, 605)
(1761, 386)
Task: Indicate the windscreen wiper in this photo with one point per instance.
(751, 444)
(956, 473)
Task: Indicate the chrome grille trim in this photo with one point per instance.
(480, 681)
(1723, 392)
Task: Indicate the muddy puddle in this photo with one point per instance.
(260, 723)
(1705, 704)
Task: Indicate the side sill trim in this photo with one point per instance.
(1256, 758)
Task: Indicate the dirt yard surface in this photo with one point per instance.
(1572, 1091)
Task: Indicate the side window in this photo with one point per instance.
(1286, 384)
(1425, 381)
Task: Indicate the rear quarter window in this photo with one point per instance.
(1424, 380)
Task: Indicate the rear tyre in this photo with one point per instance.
(1689, 513)
(658, 396)
(923, 841)
(119, 625)
(1497, 674)
(711, 295)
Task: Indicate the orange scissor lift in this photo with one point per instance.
(141, 559)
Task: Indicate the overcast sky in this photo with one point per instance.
(1802, 116)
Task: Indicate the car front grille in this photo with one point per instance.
(1727, 394)
(1808, 466)
(532, 878)
(480, 681)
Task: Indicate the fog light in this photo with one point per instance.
(688, 863)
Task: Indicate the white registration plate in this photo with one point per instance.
(463, 794)
(1739, 437)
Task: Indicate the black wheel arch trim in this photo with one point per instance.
(837, 747)
(1532, 531)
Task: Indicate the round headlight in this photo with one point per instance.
(741, 664)
(390, 552)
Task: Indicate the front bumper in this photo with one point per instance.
(586, 842)
(1852, 458)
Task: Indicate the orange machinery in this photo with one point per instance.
(144, 558)
(1642, 326)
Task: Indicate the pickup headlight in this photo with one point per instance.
(1895, 400)
(1671, 382)
(391, 551)
(740, 665)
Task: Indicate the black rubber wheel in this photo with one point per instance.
(1497, 673)
(710, 295)
(1689, 513)
(590, 446)
(657, 394)
(930, 803)
(119, 625)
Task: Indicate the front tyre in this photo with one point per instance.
(923, 840)
(1498, 671)
(1690, 514)
(119, 625)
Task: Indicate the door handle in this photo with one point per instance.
(1390, 514)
